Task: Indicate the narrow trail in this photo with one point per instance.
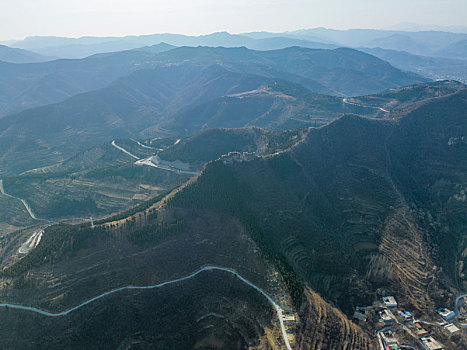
(346, 101)
(277, 308)
(26, 205)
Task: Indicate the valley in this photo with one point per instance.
(411, 280)
(284, 193)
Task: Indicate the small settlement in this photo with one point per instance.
(400, 325)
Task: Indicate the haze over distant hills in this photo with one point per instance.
(13, 55)
(328, 208)
(86, 46)
(416, 27)
(431, 44)
(337, 71)
(416, 42)
(431, 67)
(256, 191)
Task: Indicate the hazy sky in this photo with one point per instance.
(20, 18)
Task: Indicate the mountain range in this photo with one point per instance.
(178, 196)
(13, 55)
(339, 71)
(176, 97)
(347, 210)
(416, 42)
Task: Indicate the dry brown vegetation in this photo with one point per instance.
(324, 327)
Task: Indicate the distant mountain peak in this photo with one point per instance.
(15, 55)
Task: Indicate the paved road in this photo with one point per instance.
(206, 268)
(26, 205)
(378, 336)
(34, 239)
(32, 242)
(124, 150)
(148, 162)
(459, 303)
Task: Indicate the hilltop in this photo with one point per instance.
(351, 210)
(330, 71)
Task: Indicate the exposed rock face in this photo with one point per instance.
(324, 327)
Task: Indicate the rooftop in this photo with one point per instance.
(431, 343)
(451, 328)
(389, 338)
(389, 300)
(446, 313)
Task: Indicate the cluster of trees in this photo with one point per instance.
(212, 144)
(125, 171)
(215, 142)
(61, 206)
(219, 189)
(283, 165)
(290, 278)
(281, 140)
(58, 240)
(153, 234)
(136, 209)
(129, 318)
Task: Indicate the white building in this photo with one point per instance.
(429, 343)
(385, 317)
(451, 329)
(446, 314)
(359, 315)
(389, 301)
(389, 339)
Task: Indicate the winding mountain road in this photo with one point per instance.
(31, 242)
(148, 161)
(277, 308)
(26, 205)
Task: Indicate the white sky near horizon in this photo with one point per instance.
(73, 18)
